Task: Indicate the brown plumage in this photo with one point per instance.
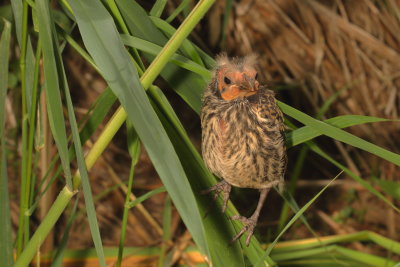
(242, 134)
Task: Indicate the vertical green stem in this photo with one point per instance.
(25, 186)
(125, 215)
(32, 122)
(45, 227)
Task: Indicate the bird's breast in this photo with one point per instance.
(241, 147)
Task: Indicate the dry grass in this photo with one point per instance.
(325, 46)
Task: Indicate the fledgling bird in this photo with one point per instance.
(242, 134)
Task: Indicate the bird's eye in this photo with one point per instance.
(256, 77)
(227, 80)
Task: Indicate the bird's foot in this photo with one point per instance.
(223, 187)
(249, 225)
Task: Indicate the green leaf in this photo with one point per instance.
(357, 178)
(59, 78)
(307, 133)
(295, 217)
(52, 86)
(102, 40)
(311, 145)
(87, 192)
(97, 113)
(178, 10)
(6, 242)
(62, 245)
(134, 151)
(188, 48)
(340, 135)
(146, 196)
(4, 57)
(158, 8)
(17, 14)
(29, 76)
(133, 143)
(177, 59)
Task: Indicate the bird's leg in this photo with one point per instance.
(223, 187)
(250, 223)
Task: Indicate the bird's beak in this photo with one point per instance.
(249, 85)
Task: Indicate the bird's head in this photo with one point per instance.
(236, 77)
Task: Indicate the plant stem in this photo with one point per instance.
(45, 227)
(25, 186)
(125, 216)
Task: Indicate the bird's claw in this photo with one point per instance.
(223, 187)
(249, 225)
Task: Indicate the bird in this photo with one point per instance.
(243, 139)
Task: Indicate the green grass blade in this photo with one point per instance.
(307, 133)
(97, 113)
(364, 236)
(103, 43)
(125, 214)
(365, 258)
(6, 242)
(146, 196)
(357, 178)
(327, 104)
(295, 217)
(158, 8)
(87, 192)
(178, 10)
(295, 174)
(29, 77)
(62, 246)
(54, 56)
(23, 225)
(334, 252)
(134, 151)
(339, 134)
(177, 59)
(4, 58)
(17, 14)
(52, 85)
(187, 47)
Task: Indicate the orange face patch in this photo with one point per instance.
(234, 92)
